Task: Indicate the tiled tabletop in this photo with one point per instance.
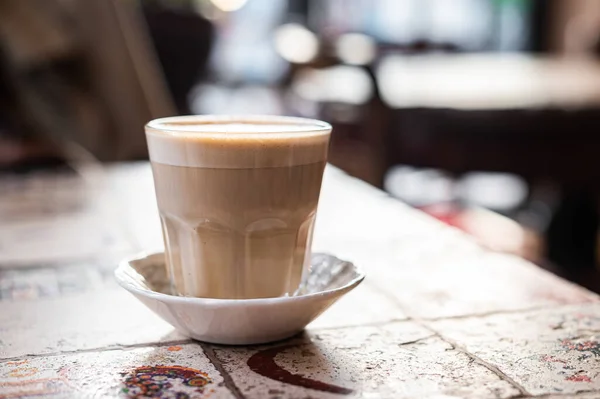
(437, 316)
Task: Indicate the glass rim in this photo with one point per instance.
(291, 125)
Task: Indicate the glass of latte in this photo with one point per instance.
(237, 198)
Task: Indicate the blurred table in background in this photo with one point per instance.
(489, 82)
(535, 117)
(529, 115)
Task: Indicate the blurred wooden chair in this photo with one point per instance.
(80, 72)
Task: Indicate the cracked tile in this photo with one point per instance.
(162, 371)
(364, 305)
(447, 275)
(546, 351)
(55, 217)
(399, 360)
(89, 320)
(432, 270)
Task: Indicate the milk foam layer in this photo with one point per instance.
(237, 142)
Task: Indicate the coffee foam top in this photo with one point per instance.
(237, 142)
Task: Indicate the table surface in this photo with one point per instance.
(438, 316)
(489, 81)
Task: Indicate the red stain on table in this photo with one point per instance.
(553, 359)
(263, 363)
(30, 388)
(174, 348)
(578, 378)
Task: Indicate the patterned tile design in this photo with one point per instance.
(179, 371)
(54, 281)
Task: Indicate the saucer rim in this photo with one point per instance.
(235, 302)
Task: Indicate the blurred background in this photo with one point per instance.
(483, 113)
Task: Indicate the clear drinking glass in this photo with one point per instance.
(237, 198)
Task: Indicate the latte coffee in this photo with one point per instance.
(237, 198)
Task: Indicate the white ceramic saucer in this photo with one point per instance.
(239, 321)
